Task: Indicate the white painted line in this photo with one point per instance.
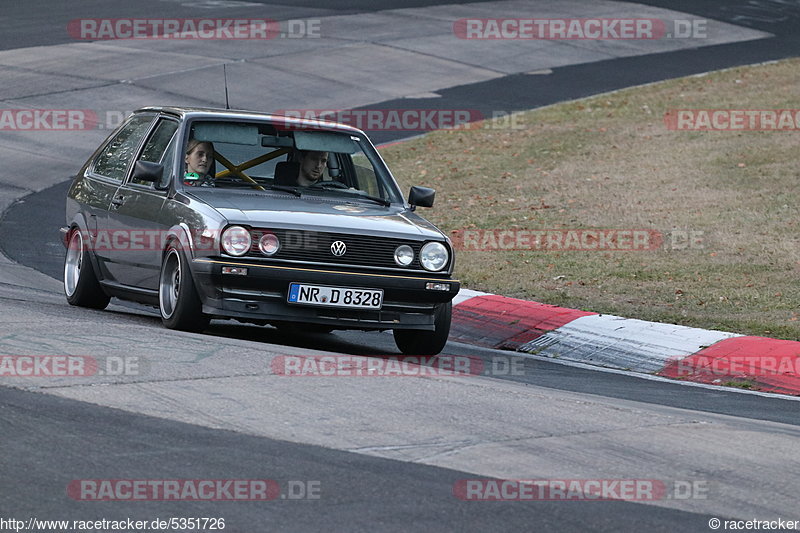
(625, 343)
(465, 294)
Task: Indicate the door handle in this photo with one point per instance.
(118, 201)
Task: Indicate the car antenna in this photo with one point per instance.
(225, 76)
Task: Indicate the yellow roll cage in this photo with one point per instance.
(238, 170)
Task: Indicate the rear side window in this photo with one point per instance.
(113, 161)
(156, 146)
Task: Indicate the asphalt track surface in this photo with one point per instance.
(509, 93)
(360, 493)
(48, 441)
(41, 22)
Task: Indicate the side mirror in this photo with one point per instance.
(421, 196)
(147, 171)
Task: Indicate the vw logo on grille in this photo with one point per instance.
(338, 248)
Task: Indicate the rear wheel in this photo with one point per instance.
(80, 282)
(414, 342)
(177, 296)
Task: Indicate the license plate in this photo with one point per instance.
(335, 296)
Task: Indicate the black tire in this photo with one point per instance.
(178, 301)
(414, 342)
(80, 281)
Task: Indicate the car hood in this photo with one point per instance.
(316, 212)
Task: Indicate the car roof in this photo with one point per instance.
(235, 114)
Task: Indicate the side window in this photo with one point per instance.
(156, 146)
(113, 161)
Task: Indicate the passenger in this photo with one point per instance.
(312, 165)
(199, 156)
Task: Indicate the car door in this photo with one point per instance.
(134, 214)
(105, 175)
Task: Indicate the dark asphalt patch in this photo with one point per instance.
(357, 492)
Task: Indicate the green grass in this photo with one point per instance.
(741, 385)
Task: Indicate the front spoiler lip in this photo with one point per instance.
(336, 322)
(323, 271)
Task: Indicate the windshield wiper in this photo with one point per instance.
(381, 201)
(285, 188)
(329, 186)
(357, 194)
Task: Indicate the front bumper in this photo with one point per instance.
(261, 295)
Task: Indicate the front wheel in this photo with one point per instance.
(177, 296)
(414, 342)
(80, 282)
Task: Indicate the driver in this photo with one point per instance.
(199, 155)
(312, 165)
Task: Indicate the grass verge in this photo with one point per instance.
(611, 162)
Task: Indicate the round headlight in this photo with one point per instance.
(269, 244)
(236, 240)
(434, 256)
(404, 255)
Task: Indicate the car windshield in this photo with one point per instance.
(250, 156)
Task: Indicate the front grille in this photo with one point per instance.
(315, 246)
